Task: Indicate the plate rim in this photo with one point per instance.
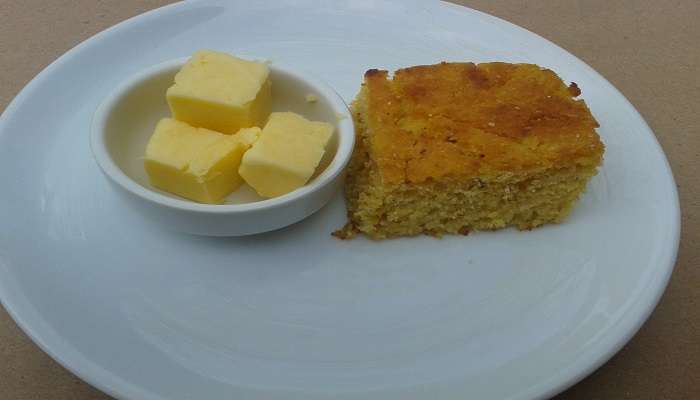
(111, 384)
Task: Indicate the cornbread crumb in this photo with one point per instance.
(456, 147)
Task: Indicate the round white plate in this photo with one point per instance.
(144, 313)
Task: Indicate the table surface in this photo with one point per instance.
(648, 49)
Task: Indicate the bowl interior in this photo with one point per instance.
(136, 112)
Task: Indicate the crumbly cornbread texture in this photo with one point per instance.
(455, 147)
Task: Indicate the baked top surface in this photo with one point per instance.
(461, 120)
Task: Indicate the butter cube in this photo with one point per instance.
(196, 163)
(221, 92)
(286, 154)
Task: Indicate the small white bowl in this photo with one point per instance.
(125, 120)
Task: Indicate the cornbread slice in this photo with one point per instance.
(455, 147)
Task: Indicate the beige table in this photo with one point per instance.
(649, 49)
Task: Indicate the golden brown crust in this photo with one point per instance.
(347, 232)
(461, 120)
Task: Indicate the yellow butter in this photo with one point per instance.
(286, 155)
(221, 92)
(196, 163)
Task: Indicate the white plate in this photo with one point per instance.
(143, 313)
